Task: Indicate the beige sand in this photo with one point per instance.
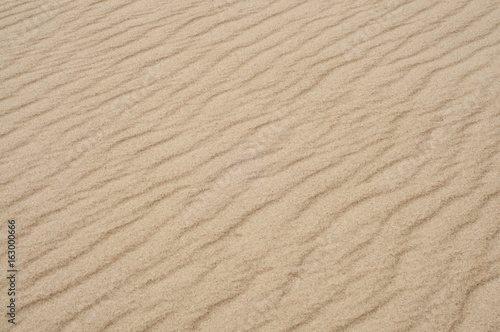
(251, 165)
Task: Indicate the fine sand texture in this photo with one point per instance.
(250, 165)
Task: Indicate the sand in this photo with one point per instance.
(250, 165)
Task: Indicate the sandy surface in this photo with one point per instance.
(251, 165)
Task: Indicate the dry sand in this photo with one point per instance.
(251, 165)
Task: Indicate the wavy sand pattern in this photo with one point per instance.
(274, 165)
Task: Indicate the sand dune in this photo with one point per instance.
(251, 165)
